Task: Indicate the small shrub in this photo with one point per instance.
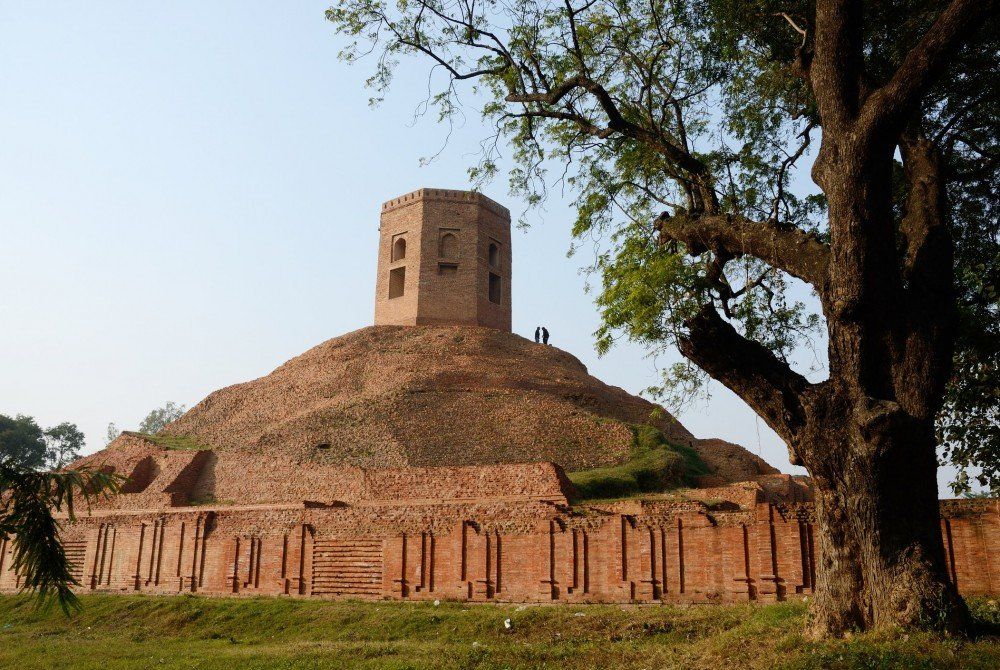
(655, 465)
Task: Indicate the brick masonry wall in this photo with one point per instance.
(515, 550)
(459, 292)
(178, 478)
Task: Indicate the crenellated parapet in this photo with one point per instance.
(444, 259)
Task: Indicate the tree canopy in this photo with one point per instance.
(650, 111)
(22, 442)
(682, 128)
(158, 418)
(64, 443)
(155, 421)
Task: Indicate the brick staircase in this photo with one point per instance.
(76, 553)
(347, 567)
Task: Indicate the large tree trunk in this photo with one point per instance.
(882, 561)
(866, 435)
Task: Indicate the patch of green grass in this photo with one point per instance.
(118, 632)
(654, 466)
(177, 442)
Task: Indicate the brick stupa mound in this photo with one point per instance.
(417, 460)
(396, 397)
(388, 396)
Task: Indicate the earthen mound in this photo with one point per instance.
(730, 463)
(390, 396)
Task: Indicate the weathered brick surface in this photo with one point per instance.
(447, 263)
(312, 480)
(177, 478)
(391, 396)
(515, 550)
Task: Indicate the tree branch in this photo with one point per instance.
(925, 62)
(928, 269)
(800, 30)
(928, 249)
(837, 63)
(616, 121)
(787, 163)
(748, 369)
(792, 250)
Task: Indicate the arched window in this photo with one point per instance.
(399, 249)
(448, 245)
(494, 255)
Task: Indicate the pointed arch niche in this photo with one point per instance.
(398, 248)
(448, 244)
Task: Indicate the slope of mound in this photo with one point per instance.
(730, 462)
(416, 396)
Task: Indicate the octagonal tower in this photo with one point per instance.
(444, 258)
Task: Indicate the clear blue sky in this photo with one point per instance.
(189, 196)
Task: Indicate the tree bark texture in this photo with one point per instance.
(882, 561)
(886, 286)
(866, 434)
(873, 463)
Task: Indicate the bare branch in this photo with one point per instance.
(795, 27)
(617, 123)
(787, 163)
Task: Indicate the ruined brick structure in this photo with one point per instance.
(422, 458)
(501, 533)
(444, 257)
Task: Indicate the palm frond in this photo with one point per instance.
(29, 504)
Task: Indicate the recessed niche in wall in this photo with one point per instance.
(495, 288)
(142, 476)
(398, 248)
(397, 282)
(448, 244)
(447, 269)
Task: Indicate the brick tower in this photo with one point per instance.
(443, 258)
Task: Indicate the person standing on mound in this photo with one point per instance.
(537, 331)
(545, 335)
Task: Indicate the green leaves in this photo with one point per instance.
(22, 442)
(158, 418)
(702, 106)
(64, 444)
(29, 502)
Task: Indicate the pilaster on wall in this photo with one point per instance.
(8, 578)
(767, 553)
(149, 554)
(414, 574)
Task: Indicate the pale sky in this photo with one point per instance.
(189, 196)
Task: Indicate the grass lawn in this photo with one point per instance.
(235, 634)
